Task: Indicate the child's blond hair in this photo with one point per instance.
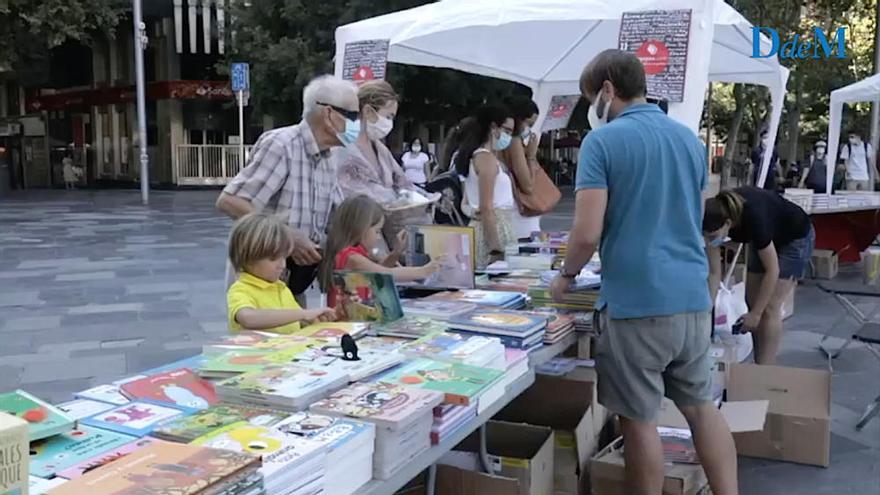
(258, 236)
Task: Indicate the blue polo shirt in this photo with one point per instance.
(653, 256)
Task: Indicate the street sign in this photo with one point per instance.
(240, 76)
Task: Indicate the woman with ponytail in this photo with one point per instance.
(781, 239)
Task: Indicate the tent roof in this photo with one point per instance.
(865, 90)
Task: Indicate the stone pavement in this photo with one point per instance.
(94, 286)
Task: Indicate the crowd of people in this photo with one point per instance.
(315, 197)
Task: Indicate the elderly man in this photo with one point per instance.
(290, 173)
(638, 187)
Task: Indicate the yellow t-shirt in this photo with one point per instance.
(253, 292)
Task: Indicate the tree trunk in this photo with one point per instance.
(794, 120)
(735, 122)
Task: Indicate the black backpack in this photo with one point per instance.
(447, 211)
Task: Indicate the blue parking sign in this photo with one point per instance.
(240, 75)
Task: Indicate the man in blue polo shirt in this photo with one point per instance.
(638, 186)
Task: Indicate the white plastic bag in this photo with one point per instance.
(730, 305)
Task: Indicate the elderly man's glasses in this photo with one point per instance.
(348, 114)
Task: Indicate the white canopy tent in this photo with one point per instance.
(545, 44)
(864, 90)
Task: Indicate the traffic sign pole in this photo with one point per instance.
(240, 81)
(241, 129)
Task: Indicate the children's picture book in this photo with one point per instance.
(163, 469)
(488, 298)
(137, 418)
(454, 245)
(410, 327)
(60, 452)
(40, 486)
(500, 322)
(272, 342)
(192, 362)
(460, 383)
(386, 404)
(187, 428)
(44, 419)
(367, 297)
(332, 332)
(104, 393)
(330, 358)
(99, 460)
(439, 310)
(382, 343)
(78, 409)
(177, 387)
(14, 448)
(329, 430)
(294, 382)
(233, 363)
(239, 340)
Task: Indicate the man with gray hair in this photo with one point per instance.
(290, 173)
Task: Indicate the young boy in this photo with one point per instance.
(258, 300)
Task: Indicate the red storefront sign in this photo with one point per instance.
(163, 90)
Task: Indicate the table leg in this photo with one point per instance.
(484, 454)
(432, 479)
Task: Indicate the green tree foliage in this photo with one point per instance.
(30, 28)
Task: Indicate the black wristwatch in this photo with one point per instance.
(496, 252)
(570, 276)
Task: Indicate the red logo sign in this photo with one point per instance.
(654, 56)
(363, 73)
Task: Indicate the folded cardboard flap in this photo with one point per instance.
(456, 481)
(791, 391)
(607, 474)
(741, 416)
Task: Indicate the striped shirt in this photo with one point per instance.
(288, 173)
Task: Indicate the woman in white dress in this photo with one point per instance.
(415, 163)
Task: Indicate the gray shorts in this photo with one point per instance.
(641, 360)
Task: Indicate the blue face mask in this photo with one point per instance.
(718, 241)
(503, 141)
(352, 131)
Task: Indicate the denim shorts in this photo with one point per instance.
(793, 257)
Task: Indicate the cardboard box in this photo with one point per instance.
(825, 264)
(798, 427)
(607, 469)
(566, 406)
(871, 266)
(521, 456)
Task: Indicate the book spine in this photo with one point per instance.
(14, 455)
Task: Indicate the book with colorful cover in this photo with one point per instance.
(332, 332)
(277, 449)
(41, 486)
(330, 358)
(179, 387)
(104, 393)
(439, 310)
(233, 363)
(292, 384)
(388, 405)
(109, 456)
(678, 445)
(271, 342)
(366, 297)
(55, 454)
(44, 419)
(454, 347)
(460, 383)
(500, 322)
(192, 362)
(410, 327)
(328, 430)
(382, 343)
(164, 469)
(453, 246)
(78, 409)
(137, 418)
(489, 298)
(187, 428)
(239, 340)
(527, 342)
(14, 449)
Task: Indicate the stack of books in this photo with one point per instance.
(236, 362)
(44, 420)
(14, 447)
(559, 326)
(486, 352)
(409, 327)
(330, 358)
(515, 329)
(546, 242)
(204, 422)
(50, 456)
(482, 298)
(513, 281)
(438, 310)
(448, 418)
(349, 443)
(286, 387)
(292, 464)
(461, 384)
(517, 365)
(403, 417)
(165, 468)
(580, 300)
(583, 321)
(177, 387)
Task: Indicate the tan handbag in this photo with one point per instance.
(543, 197)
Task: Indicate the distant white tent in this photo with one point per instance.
(544, 44)
(864, 90)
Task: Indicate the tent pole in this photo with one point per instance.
(875, 105)
(709, 128)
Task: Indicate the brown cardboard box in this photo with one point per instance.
(607, 468)
(798, 427)
(824, 264)
(521, 455)
(565, 406)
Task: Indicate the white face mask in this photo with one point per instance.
(416, 148)
(820, 152)
(854, 140)
(380, 128)
(593, 115)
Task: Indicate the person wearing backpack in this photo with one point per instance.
(858, 155)
(815, 173)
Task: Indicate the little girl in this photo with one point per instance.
(258, 300)
(355, 232)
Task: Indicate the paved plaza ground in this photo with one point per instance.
(94, 286)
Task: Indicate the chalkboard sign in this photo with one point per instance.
(365, 60)
(660, 39)
(559, 113)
